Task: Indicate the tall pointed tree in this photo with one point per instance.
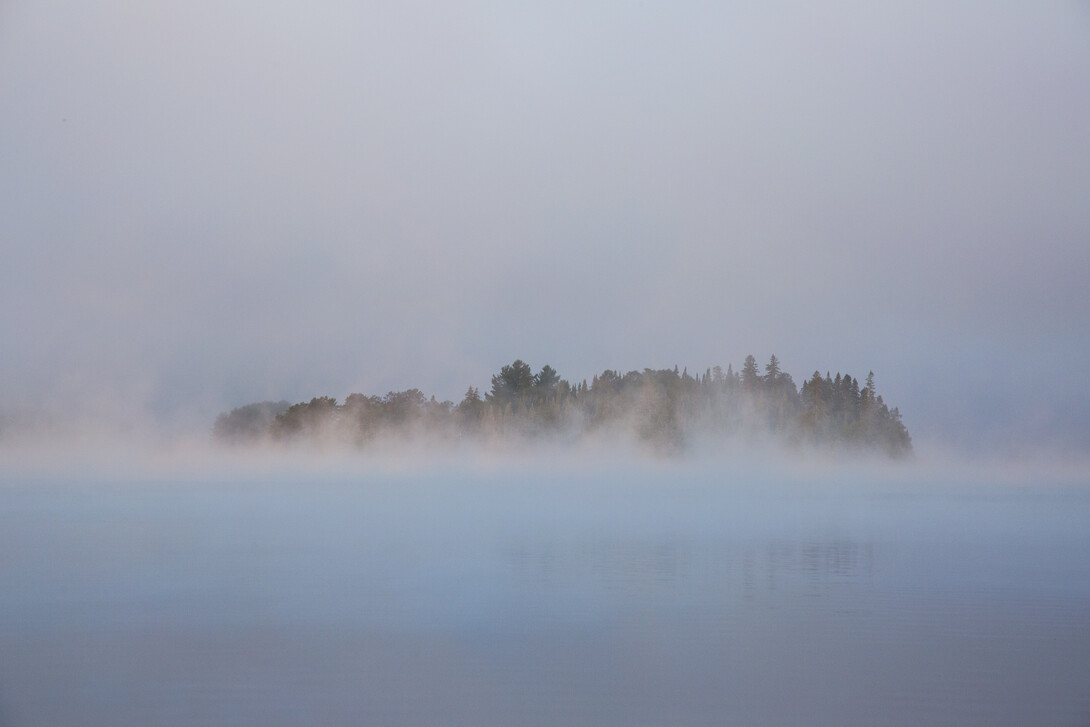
(751, 377)
(772, 369)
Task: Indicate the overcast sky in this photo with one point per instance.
(204, 204)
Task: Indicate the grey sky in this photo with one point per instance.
(204, 204)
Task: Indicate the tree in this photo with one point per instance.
(772, 369)
(401, 407)
(470, 410)
(249, 422)
(511, 383)
(472, 396)
(304, 416)
(365, 412)
(750, 376)
(868, 391)
(546, 380)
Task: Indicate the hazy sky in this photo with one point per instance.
(204, 204)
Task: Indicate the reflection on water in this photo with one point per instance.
(542, 600)
(646, 569)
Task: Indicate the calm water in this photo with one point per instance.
(680, 596)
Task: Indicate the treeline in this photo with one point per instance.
(665, 408)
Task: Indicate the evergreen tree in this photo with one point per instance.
(751, 378)
(546, 380)
(772, 369)
(513, 382)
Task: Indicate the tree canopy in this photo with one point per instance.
(660, 407)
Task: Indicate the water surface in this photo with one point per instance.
(675, 595)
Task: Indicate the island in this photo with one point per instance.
(667, 409)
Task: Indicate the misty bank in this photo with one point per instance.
(666, 410)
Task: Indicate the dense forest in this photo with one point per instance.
(664, 408)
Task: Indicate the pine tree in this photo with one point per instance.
(772, 369)
(750, 376)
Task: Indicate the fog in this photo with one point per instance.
(208, 205)
(205, 205)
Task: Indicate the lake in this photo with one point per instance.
(545, 594)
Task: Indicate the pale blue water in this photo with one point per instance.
(680, 596)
